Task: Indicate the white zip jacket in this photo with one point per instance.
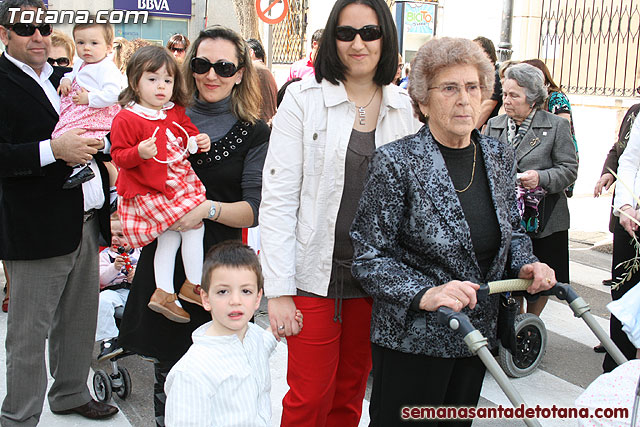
(303, 179)
(628, 165)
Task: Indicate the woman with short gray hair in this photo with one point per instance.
(546, 165)
(531, 80)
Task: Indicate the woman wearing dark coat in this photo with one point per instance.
(623, 246)
(437, 217)
(227, 109)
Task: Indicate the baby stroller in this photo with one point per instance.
(118, 381)
(478, 344)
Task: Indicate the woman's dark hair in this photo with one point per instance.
(283, 90)
(245, 96)
(488, 47)
(548, 80)
(327, 63)
(257, 48)
(152, 58)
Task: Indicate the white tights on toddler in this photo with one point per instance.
(192, 257)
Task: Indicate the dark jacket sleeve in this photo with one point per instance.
(252, 170)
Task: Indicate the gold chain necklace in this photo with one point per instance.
(361, 111)
(473, 171)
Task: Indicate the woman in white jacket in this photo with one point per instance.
(623, 246)
(324, 133)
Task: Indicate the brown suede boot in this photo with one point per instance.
(191, 293)
(164, 303)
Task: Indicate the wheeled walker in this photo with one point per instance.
(477, 343)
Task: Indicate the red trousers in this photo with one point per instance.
(329, 363)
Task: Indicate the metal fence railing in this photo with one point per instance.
(289, 35)
(591, 46)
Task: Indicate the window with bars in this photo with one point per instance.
(591, 47)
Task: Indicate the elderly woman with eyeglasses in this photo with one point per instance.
(546, 162)
(438, 217)
(324, 134)
(220, 77)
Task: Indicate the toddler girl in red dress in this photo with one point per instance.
(151, 139)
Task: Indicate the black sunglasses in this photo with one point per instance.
(368, 33)
(222, 68)
(177, 49)
(27, 30)
(63, 61)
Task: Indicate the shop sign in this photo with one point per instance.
(165, 8)
(419, 18)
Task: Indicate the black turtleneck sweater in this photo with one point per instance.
(232, 170)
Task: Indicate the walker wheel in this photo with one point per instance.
(125, 390)
(531, 343)
(102, 385)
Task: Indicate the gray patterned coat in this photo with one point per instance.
(410, 233)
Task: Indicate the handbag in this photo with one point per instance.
(545, 209)
(507, 311)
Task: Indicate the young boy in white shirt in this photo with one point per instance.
(224, 379)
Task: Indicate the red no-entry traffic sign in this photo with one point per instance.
(262, 12)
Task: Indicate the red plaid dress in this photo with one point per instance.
(145, 217)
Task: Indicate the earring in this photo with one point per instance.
(237, 83)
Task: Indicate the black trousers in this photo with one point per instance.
(161, 371)
(553, 250)
(403, 379)
(622, 250)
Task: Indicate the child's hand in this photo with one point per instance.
(203, 141)
(299, 318)
(65, 87)
(147, 148)
(118, 263)
(80, 97)
(130, 274)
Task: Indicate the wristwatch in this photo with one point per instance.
(212, 210)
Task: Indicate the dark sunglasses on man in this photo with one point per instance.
(222, 68)
(27, 30)
(63, 61)
(368, 33)
(177, 49)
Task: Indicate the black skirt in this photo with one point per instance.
(148, 333)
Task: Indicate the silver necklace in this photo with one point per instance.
(361, 112)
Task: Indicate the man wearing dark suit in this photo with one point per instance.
(48, 236)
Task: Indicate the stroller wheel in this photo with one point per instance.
(102, 386)
(531, 342)
(125, 390)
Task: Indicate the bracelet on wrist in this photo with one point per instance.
(218, 211)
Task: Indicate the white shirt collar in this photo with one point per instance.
(150, 113)
(46, 72)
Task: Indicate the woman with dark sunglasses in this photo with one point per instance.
(221, 81)
(324, 133)
(62, 50)
(178, 45)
